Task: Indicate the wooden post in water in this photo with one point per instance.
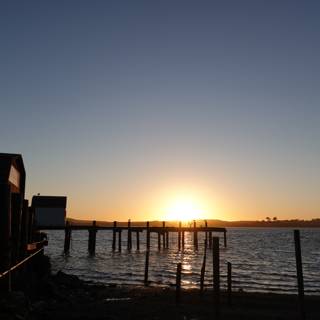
(167, 239)
(225, 238)
(92, 239)
(146, 268)
(114, 235)
(138, 240)
(5, 236)
(119, 240)
(67, 238)
(195, 235)
(210, 239)
(129, 242)
(203, 268)
(178, 283)
(159, 240)
(164, 234)
(148, 237)
(299, 273)
(206, 235)
(182, 240)
(179, 237)
(216, 274)
(229, 276)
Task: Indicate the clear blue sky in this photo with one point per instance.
(116, 103)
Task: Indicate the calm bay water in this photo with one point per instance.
(263, 260)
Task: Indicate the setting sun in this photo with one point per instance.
(184, 208)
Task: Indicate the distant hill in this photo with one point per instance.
(314, 223)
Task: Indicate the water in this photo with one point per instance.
(263, 260)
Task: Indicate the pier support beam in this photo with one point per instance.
(92, 239)
(114, 235)
(159, 240)
(216, 274)
(195, 235)
(129, 243)
(138, 240)
(67, 238)
(225, 238)
(179, 237)
(182, 240)
(148, 237)
(119, 241)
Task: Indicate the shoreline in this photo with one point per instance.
(63, 296)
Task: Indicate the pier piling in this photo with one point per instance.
(138, 240)
(148, 237)
(129, 242)
(114, 235)
(195, 235)
(92, 239)
(203, 268)
(299, 273)
(67, 238)
(159, 241)
(216, 274)
(229, 278)
(178, 283)
(179, 237)
(119, 240)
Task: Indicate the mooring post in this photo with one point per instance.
(203, 268)
(129, 242)
(210, 239)
(179, 237)
(159, 241)
(206, 234)
(148, 236)
(114, 235)
(119, 240)
(297, 245)
(225, 238)
(216, 274)
(5, 236)
(167, 239)
(178, 283)
(229, 284)
(164, 234)
(67, 238)
(195, 235)
(92, 238)
(138, 240)
(182, 239)
(146, 268)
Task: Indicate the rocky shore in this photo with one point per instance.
(63, 296)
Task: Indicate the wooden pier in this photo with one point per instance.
(163, 233)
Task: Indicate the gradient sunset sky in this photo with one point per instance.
(124, 106)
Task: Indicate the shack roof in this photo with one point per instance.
(8, 159)
(49, 202)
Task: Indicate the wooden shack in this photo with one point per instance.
(49, 211)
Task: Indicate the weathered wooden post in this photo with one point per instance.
(159, 241)
(195, 235)
(129, 242)
(114, 235)
(299, 273)
(178, 283)
(138, 240)
(216, 274)
(67, 238)
(225, 238)
(119, 240)
(229, 276)
(92, 238)
(210, 240)
(5, 236)
(24, 229)
(146, 268)
(182, 240)
(16, 215)
(148, 237)
(206, 234)
(167, 239)
(179, 237)
(203, 268)
(164, 234)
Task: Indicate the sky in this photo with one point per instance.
(127, 106)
